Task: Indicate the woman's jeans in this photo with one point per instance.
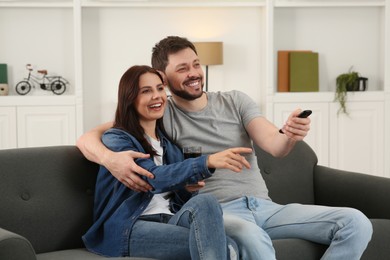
(252, 223)
(194, 232)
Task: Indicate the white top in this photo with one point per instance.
(160, 202)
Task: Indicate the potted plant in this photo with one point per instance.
(346, 82)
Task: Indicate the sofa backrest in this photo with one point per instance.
(46, 195)
(289, 179)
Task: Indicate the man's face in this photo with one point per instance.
(185, 75)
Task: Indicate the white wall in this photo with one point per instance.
(351, 38)
(117, 38)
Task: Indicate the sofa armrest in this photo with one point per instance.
(15, 247)
(370, 194)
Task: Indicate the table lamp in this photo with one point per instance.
(209, 53)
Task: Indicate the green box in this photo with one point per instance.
(3, 74)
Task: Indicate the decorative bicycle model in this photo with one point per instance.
(56, 84)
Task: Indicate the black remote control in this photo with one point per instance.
(303, 114)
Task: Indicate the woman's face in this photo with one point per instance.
(151, 99)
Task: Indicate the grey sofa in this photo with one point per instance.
(46, 200)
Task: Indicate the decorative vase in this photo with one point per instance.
(359, 85)
(4, 89)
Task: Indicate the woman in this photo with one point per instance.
(168, 223)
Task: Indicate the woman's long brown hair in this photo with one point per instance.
(126, 116)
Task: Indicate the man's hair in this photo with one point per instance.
(167, 46)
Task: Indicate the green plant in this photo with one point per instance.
(343, 83)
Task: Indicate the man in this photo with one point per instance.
(217, 121)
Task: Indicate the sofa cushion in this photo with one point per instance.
(297, 249)
(81, 253)
(379, 248)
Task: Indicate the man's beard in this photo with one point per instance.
(184, 94)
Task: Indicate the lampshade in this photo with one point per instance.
(209, 53)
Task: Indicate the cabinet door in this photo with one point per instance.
(318, 136)
(46, 126)
(357, 139)
(8, 127)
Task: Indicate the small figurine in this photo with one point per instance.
(57, 84)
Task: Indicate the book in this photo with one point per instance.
(283, 69)
(303, 72)
(3, 74)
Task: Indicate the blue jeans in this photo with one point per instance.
(196, 231)
(254, 222)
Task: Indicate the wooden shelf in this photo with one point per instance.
(329, 3)
(41, 4)
(52, 100)
(170, 3)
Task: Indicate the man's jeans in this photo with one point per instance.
(253, 222)
(194, 232)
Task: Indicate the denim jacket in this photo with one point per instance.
(117, 207)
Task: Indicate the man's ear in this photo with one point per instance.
(165, 81)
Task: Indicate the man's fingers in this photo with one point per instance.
(135, 154)
(131, 185)
(142, 171)
(138, 184)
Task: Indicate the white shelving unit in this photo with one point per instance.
(47, 35)
(345, 34)
(93, 41)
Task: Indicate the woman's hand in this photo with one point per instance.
(195, 187)
(230, 159)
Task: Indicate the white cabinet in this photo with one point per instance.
(46, 125)
(353, 142)
(357, 140)
(37, 121)
(8, 127)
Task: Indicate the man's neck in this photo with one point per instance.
(191, 105)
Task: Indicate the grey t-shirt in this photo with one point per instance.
(219, 126)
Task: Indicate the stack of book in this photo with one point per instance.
(298, 71)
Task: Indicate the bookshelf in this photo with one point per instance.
(345, 34)
(44, 34)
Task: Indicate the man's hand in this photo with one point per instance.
(229, 159)
(296, 128)
(122, 166)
